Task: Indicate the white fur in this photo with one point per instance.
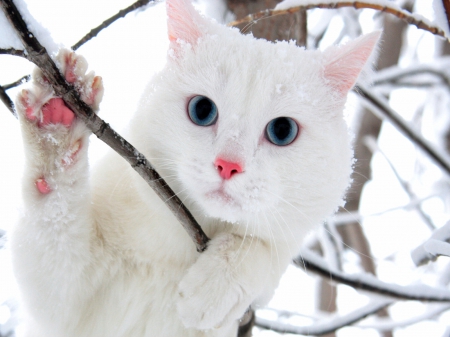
(107, 258)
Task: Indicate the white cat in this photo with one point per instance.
(248, 133)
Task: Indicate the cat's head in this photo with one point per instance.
(250, 131)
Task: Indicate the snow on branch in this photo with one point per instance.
(379, 106)
(37, 54)
(417, 72)
(436, 245)
(293, 6)
(384, 324)
(324, 326)
(312, 262)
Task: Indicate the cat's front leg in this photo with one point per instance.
(51, 244)
(224, 281)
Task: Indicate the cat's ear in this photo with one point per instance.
(183, 23)
(343, 64)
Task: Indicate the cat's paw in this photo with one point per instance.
(53, 137)
(211, 294)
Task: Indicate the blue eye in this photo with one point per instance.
(281, 131)
(202, 111)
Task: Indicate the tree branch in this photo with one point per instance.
(386, 8)
(38, 55)
(20, 81)
(378, 105)
(324, 326)
(311, 262)
(7, 101)
(13, 52)
(122, 13)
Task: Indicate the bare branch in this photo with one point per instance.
(20, 81)
(122, 13)
(390, 9)
(311, 262)
(380, 107)
(13, 52)
(325, 326)
(7, 101)
(38, 55)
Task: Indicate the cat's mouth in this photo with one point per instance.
(221, 195)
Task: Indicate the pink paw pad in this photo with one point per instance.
(42, 186)
(71, 62)
(96, 87)
(25, 101)
(56, 112)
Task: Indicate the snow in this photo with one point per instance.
(39, 31)
(9, 39)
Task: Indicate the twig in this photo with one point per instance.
(391, 9)
(7, 101)
(380, 107)
(20, 81)
(122, 13)
(38, 55)
(368, 282)
(325, 326)
(12, 51)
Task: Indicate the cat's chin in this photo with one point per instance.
(220, 204)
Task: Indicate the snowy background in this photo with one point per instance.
(132, 49)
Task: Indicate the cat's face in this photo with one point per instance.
(248, 131)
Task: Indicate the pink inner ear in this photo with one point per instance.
(182, 22)
(344, 64)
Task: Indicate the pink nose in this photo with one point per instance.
(227, 169)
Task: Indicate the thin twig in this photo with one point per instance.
(20, 81)
(7, 101)
(401, 14)
(369, 283)
(38, 55)
(122, 13)
(13, 52)
(325, 326)
(379, 106)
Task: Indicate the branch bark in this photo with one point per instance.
(13, 52)
(401, 14)
(37, 54)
